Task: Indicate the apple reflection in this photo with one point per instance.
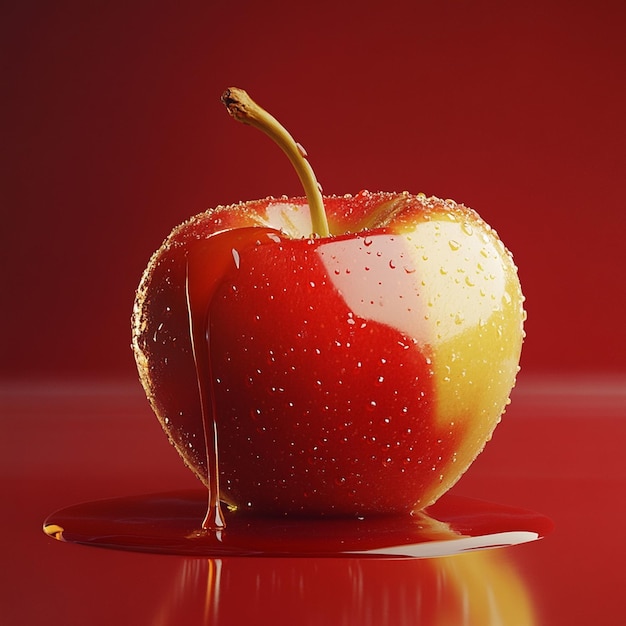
(480, 588)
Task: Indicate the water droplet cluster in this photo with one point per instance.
(323, 359)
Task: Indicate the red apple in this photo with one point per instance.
(353, 373)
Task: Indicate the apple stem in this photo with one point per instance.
(245, 110)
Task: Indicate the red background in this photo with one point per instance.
(113, 133)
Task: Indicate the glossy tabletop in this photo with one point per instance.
(558, 451)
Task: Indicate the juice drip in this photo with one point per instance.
(207, 262)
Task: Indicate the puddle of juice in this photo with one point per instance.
(171, 523)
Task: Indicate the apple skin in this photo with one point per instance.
(355, 374)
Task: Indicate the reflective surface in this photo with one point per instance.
(558, 451)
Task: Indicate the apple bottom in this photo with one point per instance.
(297, 456)
(282, 464)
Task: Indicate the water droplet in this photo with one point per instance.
(236, 257)
(367, 241)
(469, 282)
(392, 265)
(454, 245)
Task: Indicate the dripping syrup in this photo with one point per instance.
(207, 262)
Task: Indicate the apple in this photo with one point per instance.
(328, 355)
